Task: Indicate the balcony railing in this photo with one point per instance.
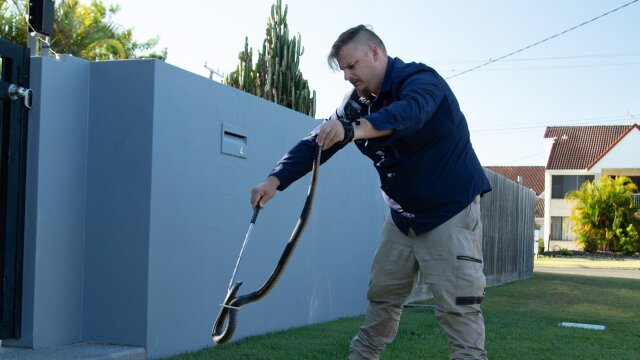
(636, 199)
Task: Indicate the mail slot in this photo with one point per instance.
(234, 141)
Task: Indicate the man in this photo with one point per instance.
(412, 128)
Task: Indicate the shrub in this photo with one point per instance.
(565, 252)
(629, 241)
(603, 215)
(589, 244)
(540, 246)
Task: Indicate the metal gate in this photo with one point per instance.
(15, 99)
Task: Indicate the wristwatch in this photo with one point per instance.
(348, 131)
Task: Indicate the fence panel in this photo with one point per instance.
(508, 215)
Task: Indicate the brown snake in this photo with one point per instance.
(229, 310)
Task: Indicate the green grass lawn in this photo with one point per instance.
(521, 318)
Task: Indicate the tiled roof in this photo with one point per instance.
(577, 147)
(539, 208)
(532, 176)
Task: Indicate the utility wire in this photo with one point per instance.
(520, 158)
(541, 41)
(597, 121)
(589, 56)
(560, 67)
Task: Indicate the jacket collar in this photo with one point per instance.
(388, 75)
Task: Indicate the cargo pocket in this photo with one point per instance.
(470, 281)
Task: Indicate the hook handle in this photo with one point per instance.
(255, 213)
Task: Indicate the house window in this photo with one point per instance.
(561, 228)
(561, 185)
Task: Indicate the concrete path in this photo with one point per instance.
(75, 352)
(617, 273)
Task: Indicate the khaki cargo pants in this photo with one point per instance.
(449, 259)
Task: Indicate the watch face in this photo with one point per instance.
(352, 110)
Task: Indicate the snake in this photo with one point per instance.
(228, 314)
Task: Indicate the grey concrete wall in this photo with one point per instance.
(118, 199)
(200, 213)
(135, 217)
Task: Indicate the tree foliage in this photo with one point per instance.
(86, 31)
(603, 217)
(276, 76)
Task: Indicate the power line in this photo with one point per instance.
(568, 57)
(560, 67)
(541, 41)
(589, 121)
(320, 67)
(521, 158)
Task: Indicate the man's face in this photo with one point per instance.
(357, 61)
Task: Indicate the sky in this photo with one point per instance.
(586, 76)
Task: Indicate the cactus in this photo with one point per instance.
(276, 76)
(243, 77)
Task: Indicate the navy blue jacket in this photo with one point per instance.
(428, 169)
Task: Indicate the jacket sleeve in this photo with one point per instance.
(299, 160)
(419, 95)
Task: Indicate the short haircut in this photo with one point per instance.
(357, 33)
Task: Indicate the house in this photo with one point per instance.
(576, 154)
(531, 177)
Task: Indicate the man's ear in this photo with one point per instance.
(375, 52)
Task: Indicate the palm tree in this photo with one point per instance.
(13, 26)
(86, 31)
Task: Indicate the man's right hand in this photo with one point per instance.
(264, 192)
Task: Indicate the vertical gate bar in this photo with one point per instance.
(13, 137)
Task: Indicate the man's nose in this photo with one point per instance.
(347, 75)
